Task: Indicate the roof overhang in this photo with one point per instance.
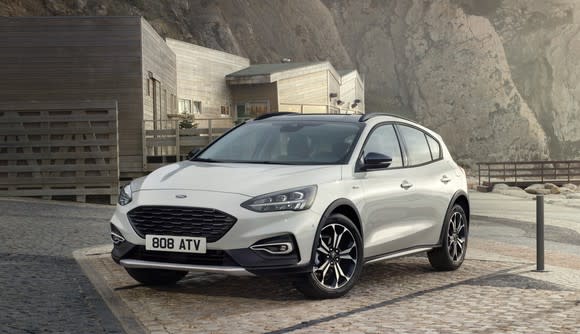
(237, 78)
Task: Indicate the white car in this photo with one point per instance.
(314, 197)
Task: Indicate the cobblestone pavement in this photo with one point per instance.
(42, 289)
(491, 293)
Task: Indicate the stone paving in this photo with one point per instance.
(494, 291)
(42, 288)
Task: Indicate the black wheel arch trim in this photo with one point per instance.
(454, 198)
(329, 210)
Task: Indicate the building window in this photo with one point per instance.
(225, 111)
(148, 88)
(197, 107)
(252, 109)
(165, 101)
(185, 106)
(241, 111)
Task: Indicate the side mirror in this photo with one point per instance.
(373, 160)
(192, 153)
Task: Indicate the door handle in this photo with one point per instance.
(445, 179)
(406, 185)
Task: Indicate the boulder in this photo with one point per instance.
(570, 186)
(538, 191)
(534, 188)
(550, 186)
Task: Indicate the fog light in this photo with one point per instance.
(279, 248)
(117, 239)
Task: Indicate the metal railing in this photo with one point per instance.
(528, 172)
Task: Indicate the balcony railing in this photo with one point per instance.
(166, 142)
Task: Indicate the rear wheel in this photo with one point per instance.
(338, 260)
(156, 276)
(451, 254)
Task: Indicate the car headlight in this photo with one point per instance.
(125, 195)
(296, 199)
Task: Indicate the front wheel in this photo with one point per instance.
(155, 276)
(451, 254)
(338, 260)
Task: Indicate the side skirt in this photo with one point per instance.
(401, 253)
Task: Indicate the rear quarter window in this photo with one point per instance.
(435, 147)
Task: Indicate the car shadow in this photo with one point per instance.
(281, 288)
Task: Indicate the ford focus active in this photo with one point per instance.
(314, 197)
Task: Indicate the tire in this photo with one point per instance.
(156, 276)
(454, 237)
(337, 267)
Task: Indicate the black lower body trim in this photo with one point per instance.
(255, 261)
(402, 251)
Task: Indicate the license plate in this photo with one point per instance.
(168, 243)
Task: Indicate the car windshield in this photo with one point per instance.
(296, 142)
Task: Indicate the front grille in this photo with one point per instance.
(181, 221)
(211, 258)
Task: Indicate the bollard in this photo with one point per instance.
(540, 233)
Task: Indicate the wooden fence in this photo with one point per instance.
(56, 150)
(165, 142)
(525, 173)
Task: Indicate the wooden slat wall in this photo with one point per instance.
(77, 58)
(59, 148)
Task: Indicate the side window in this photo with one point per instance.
(416, 144)
(384, 140)
(435, 147)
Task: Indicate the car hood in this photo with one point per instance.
(246, 179)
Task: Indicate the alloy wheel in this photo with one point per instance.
(336, 256)
(456, 236)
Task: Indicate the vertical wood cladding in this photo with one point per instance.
(304, 89)
(159, 64)
(201, 76)
(87, 58)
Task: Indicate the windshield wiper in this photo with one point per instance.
(205, 160)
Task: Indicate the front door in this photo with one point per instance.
(389, 220)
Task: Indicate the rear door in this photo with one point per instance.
(430, 178)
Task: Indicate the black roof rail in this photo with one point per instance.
(366, 117)
(274, 114)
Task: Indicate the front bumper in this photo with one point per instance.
(231, 254)
(233, 271)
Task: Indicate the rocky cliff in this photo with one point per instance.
(496, 78)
